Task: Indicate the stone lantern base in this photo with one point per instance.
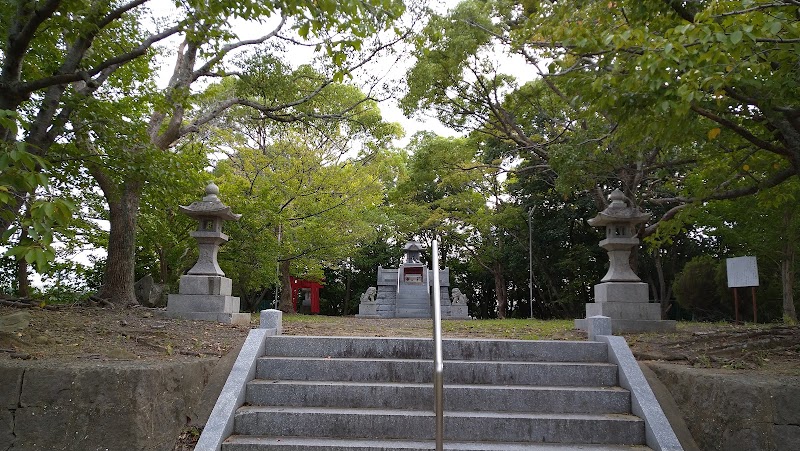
(206, 298)
(626, 303)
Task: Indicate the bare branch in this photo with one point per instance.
(69, 77)
(206, 68)
(739, 130)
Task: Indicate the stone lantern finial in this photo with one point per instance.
(212, 191)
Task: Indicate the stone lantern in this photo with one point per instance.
(205, 292)
(621, 295)
(209, 213)
(620, 221)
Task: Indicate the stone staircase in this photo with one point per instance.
(343, 393)
(413, 301)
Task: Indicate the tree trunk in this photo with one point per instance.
(285, 304)
(118, 279)
(163, 265)
(787, 280)
(347, 288)
(663, 298)
(500, 290)
(23, 283)
(787, 273)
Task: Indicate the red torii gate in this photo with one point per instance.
(298, 284)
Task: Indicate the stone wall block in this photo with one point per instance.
(735, 411)
(114, 406)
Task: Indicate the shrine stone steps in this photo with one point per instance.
(452, 349)
(413, 302)
(456, 371)
(416, 425)
(327, 393)
(457, 397)
(254, 443)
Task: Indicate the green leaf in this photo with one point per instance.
(736, 37)
(303, 30)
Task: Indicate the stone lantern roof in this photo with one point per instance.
(210, 206)
(620, 210)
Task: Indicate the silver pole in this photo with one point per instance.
(530, 260)
(438, 359)
(278, 270)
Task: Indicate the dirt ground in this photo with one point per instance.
(75, 333)
(70, 333)
(138, 333)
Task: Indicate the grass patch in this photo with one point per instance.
(300, 318)
(523, 329)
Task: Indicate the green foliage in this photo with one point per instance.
(697, 288)
(165, 249)
(30, 236)
(85, 81)
(728, 67)
(315, 180)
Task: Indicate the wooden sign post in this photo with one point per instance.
(743, 272)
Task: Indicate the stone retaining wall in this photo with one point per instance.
(735, 411)
(113, 406)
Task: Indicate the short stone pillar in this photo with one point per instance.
(205, 292)
(622, 296)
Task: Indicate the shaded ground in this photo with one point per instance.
(73, 332)
(770, 349)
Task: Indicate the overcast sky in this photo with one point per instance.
(389, 108)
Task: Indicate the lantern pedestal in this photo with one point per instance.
(206, 298)
(620, 292)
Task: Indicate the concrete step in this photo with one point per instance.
(457, 397)
(413, 313)
(421, 371)
(250, 443)
(413, 302)
(453, 349)
(615, 429)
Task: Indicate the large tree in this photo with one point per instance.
(59, 57)
(676, 103)
(308, 189)
(717, 80)
(453, 189)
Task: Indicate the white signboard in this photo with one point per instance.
(742, 272)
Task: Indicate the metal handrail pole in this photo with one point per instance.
(438, 359)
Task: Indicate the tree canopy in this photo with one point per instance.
(691, 108)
